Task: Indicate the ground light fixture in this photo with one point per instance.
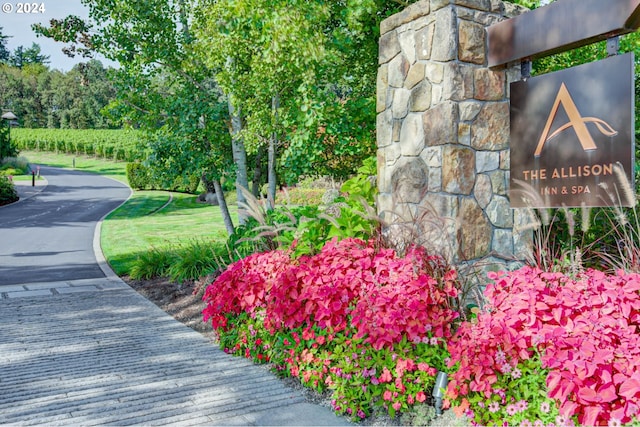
(9, 116)
(438, 390)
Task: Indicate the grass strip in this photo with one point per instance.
(140, 226)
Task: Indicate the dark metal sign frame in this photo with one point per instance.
(560, 26)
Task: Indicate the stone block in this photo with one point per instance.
(388, 47)
(499, 212)
(499, 182)
(408, 45)
(420, 99)
(416, 75)
(442, 205)
(472, 42)
(440, 124)
(458, 82)
(400, 104)
(432, 156)
(469, 110)
(444, 38)
(382, 88)
(409, 181)
(482, 190)
(424, 41)
(435, 180)
(434, 72)
(483, 18)
(502, 242)
(490, 129)
(505, 159)
(384, 128)
(409, 14)
(511, 10)
(385, 206)
(487, 161)
(497, 6)
(397, 127)
(384, 174)
(464, 134)
(436, 94)
(489, 85)
(439, 4)
(398, 70)
(484, 5)
(411, 135)
(458, 169)
(475, 232)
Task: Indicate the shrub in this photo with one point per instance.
(193, 260)
(9, 171)
(549, 344)
(8, 193)
(153, 263)
(7, 146)
(20, 166)
(138, 176)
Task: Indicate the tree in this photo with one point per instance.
(162, 84)
(303, 73)
(50, 98)
(32, 55)
(4, 52)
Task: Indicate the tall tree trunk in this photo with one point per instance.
(239, 157)
(238, 150)
(214, 186)
(271, 169)
(257, 172)
(184, 20)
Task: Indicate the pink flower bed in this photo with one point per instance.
(352, 318)
(348, 284)
(584, 331)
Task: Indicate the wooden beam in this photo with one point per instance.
(560, 26)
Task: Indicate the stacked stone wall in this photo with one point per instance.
(443, 132)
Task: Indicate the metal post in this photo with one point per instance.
(613, 46)
(525, 69)
(33, 178)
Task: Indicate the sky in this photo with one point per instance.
(18, 25)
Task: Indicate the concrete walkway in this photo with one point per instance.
(110, 357)
(94, 352)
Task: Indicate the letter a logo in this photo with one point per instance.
(576, 121)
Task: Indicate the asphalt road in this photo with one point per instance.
(49, 237)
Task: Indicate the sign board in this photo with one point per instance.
(572, 136)
(560, 26)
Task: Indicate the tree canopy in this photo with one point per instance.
(43, 98)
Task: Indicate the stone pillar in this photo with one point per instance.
(443, 133)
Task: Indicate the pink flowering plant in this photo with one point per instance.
(360, 322)
(549, 349)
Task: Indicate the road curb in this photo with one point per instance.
(97, 244)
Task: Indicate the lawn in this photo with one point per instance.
(157, 220)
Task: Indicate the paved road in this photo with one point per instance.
(49, 237)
